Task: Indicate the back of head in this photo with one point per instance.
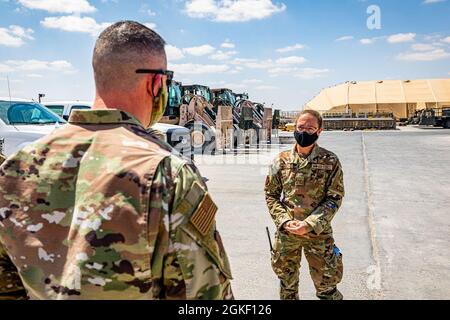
(121, 49)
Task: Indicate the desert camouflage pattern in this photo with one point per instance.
(324, 260)
(12, 288)
(308, 189)
(101, 209)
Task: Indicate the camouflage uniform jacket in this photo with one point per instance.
(101, 209)
(308, 189)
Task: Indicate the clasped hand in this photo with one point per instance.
(297, 227)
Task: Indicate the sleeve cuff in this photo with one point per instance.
(283, 222)
(314, 224)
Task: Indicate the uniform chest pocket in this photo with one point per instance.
(320, 176)
(287, 176)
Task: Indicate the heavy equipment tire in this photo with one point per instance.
(203, 140)
(446, 123)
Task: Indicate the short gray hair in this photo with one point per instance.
(121, 49)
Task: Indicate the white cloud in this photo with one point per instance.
(422, 47)
(269, 63)
(191, 68)
(21, 32)
(15, 36)
(401, 38)
(34, 75)
(39, 65)
(75, 24)
(234, 71)
(344, 38)
(5, 68)
(233, 86)
(266, 87)
(228, 45)
(311, 73)
(433, 1)
(291, 60)
(252, 81)
(302, 73)
(433, 55)
(145, 8)
(291, 48)
(151, 25)
(173, 53)
(59, 6)
(199, 51)
(367, 41)
(221, 55)
(11, 80)
(446, 40)
(233, 10)
(280, 71)
(256, 64)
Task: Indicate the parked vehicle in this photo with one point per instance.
(24, 121)
(65, 108)
(437, 117)
(176, 136)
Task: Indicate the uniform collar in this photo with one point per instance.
(298, 158)
(102, 116)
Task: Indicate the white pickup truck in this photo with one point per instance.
(24, 121)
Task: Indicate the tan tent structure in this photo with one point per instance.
(400, 97)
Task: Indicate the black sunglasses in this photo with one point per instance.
(167, 73)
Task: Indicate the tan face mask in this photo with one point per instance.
(159, 107)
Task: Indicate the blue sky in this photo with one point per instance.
(282, 52)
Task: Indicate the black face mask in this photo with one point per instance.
(305, 139)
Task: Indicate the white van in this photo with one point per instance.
(65, 108)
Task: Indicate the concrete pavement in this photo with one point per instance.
(393, 227)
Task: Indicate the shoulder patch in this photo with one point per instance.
(204, 217)
(194, 195)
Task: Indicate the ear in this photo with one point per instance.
(320, 131)
(156, 85)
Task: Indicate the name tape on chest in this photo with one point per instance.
(318, 166)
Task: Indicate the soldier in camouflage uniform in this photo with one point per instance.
(12, 288)
(304, 190)
(102, 209)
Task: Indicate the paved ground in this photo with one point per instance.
(393, 228)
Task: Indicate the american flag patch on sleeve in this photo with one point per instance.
(204, 217)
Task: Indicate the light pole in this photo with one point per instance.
(41, 95)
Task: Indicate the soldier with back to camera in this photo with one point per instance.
(102, 209)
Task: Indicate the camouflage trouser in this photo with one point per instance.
(325, 265)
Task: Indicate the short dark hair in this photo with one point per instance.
(121, 49)
(314, 113)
